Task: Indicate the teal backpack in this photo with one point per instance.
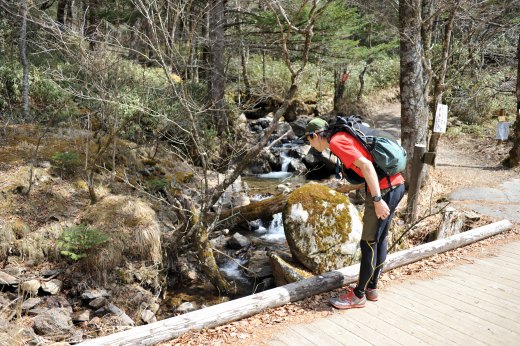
(389, 156)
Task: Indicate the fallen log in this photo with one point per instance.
(263, 209)
(244, 307)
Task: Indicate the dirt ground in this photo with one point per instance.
(463, 161)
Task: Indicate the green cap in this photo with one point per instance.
(316, 125)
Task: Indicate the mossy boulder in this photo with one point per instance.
(322, 227)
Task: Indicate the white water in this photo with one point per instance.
(274, 175)
(285, 161)
(275, 232)
(232, 270)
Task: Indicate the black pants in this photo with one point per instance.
(373, 252)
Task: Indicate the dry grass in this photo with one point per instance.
(133, 229)
(7, 238)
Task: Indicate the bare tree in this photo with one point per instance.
(414, 112)
(64, 12)
(217, 80)
(23, 58)
(514, 155)
(440, 76)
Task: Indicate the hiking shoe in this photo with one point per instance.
(348, 301)
(372, 294)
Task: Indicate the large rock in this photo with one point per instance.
(297, 108)
(238, 241)
(93, 294)
(6, 279)
(31, 303)
(259, 265)
(30, 287)
(56, 321)
(52, 286)
(322, 227)
(234, 196)
(285, 272)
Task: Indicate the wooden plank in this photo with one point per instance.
(460, 319)
(350, 322)
(513, 246)
(461, 289)
(491, 274)
(399, 318)
(498, 270)
(492, 287)
(291, 338)
(437, 291)
(277, 343)
(448, 320)
(420, 319)
(388, 329)
(244, 307)
(508, 253)
(488, 271)
(340, 334)
(508, 257)
(446, 323)
(315, 338)
(503, 261)
(508, 269)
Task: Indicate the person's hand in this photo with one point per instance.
(382, 210)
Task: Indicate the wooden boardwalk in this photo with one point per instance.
(470, 304)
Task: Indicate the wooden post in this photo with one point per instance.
(414, 186)
(434, 141)
(220, 314)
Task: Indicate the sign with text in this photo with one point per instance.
(441, 118)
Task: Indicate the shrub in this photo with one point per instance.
(77, 241)
(66, 162)
(156, 184)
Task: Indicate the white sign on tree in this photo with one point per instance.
(441, 118)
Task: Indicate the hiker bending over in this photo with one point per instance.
(383, 196)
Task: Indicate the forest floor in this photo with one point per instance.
(464, 162)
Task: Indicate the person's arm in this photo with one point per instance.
(369, 172)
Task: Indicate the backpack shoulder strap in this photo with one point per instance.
(351, 124)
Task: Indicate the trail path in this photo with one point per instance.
(477, 180)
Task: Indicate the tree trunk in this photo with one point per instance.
(205, 252)
(217, 78)
(414, 184)
(264, 78)
(93, 22)
(339, 86)
(24, 61)
(208, 263)
(514, 155)
(439, 86)
(245, 75)
(414, 112)
(451, 224)
(362, 79)
(60, 13)
(263, 209)
(426, 42)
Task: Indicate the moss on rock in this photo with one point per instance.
(322, 228)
